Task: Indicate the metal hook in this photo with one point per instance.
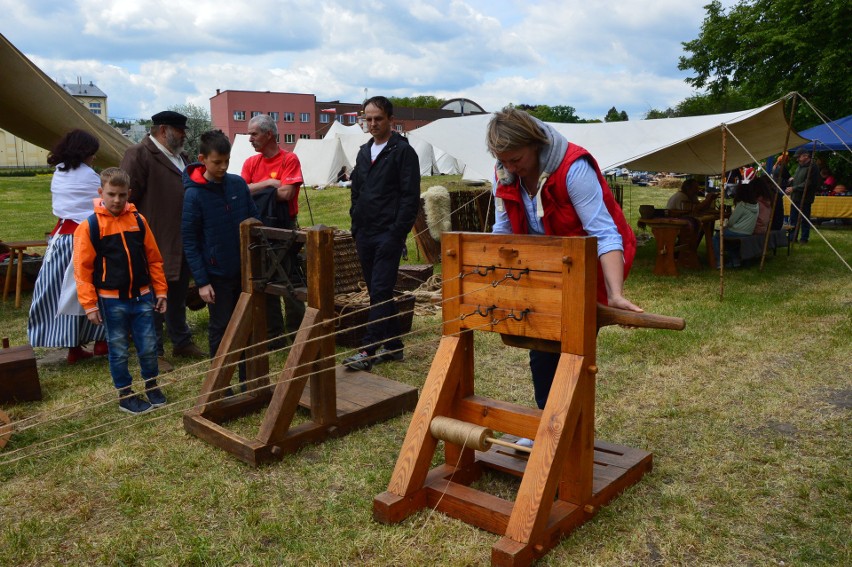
(479, 312)
(519, 317)
(510, 275)
(478, 272)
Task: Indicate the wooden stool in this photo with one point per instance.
(16, 249)
(18, 374)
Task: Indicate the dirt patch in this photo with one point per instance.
(785, 429)
(840, 398)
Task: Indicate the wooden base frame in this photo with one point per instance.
(338, 401)
(540, 292)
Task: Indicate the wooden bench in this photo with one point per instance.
(751, 247)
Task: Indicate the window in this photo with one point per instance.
(96, 111)
(304, 136)
(289, 117)
(323, 118)
(399, 127)
(353, 119)
(255, 113)
(289, 138)
(339, 118)
(94, 105)
(240, 115)
(305, 117)
(274, 116)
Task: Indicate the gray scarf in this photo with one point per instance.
(551, 155)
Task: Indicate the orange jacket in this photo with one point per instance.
(128, 267)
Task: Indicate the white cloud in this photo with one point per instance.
(152, 54)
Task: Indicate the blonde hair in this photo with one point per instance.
(511, 129)
(115, 176)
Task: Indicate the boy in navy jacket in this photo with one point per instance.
(215, 204)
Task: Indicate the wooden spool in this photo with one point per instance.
(468, 435)
(5, 428)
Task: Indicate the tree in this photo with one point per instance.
(764, 49)
(421, 101)
(197, 122)
(545, 113)
(654, 114)
(613, 115)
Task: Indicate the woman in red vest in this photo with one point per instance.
(546, 185)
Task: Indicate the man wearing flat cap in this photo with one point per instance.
(155, 166)
(802, 190)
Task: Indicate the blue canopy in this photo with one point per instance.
(835, 135)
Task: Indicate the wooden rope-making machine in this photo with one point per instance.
(338, 401)
(542, 295)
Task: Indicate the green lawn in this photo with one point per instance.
(747, 413)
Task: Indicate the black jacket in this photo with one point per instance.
(386, 193)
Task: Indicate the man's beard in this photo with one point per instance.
(173, 141)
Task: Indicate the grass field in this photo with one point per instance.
(747, 413)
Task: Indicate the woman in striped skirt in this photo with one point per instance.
(73, 188)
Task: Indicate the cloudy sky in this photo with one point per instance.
(148, 55)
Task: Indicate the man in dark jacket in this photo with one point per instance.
(806, 182)
(155, 167)
(385, 199)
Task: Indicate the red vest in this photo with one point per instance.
(560, 217)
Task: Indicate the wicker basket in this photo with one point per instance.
(412, 276)
(350, 326)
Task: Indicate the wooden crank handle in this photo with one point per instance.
(613, 316)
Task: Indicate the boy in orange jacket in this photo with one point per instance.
(120, 284)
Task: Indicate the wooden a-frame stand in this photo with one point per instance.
(538, 292)
(339, 401)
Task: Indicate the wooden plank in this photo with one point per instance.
(536, 325)
(222, 365)
(501, 416)
(558, 422)
(436, 399)
(579, 297)
(320, 251)
(480, 509)
(512, 251)
(218, 436)
(451, 288)
(291, 381)
(536, 289)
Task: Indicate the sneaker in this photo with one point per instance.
(386, 355)
(132, 403)
(524, 442)
(359, 361)
(154, 394)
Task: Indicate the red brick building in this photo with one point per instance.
(294, 113)
(302, 116)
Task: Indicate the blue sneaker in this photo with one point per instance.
(359, 361)
(155, 396)
(386, 355)
(131, 403)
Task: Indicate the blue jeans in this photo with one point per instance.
(794, 216)
(125, 317)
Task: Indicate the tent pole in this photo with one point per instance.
(775, 193)
(722, 214)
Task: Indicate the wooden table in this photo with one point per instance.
(670, 254)
(16, 249)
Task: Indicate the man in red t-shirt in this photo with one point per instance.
(274, 177)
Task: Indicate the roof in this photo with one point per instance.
(82, 89)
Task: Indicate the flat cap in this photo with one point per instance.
(169, 118)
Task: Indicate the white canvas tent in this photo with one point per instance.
(35, 108)
(424, 153)
(321, 160)
(241, 150)
(686, 145)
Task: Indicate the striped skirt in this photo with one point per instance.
(46, 328)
